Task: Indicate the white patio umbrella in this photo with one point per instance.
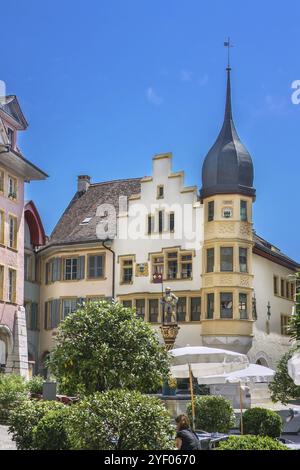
(294, 368)
(199, 361)
(253, 373)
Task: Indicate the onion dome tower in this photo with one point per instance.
(227, 195)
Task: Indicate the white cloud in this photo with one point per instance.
(153, 97)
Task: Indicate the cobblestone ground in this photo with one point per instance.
(5, 440)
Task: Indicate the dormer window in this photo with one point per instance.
(160, 191)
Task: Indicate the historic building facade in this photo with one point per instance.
(233, 287)
(15, 170)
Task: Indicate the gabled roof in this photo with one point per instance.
(11, 108)
(265, 249)
(71, 229)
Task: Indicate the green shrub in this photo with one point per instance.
(12, 392)
(251, 443)
(50, 433)
(212, 414)
(25, 417)
(262, 422)
(120, 420)
(35, 385)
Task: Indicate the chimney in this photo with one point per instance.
(83, 183)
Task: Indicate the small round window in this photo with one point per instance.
(227, 212)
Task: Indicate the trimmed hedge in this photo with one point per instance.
(50, 433)
(212, 414)
(262, 422)
(251, 443)
(24, 419)
(120, 420)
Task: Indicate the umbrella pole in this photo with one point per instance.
(241, 407)
(192, 397)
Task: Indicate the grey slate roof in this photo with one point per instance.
(228, 166)
(83, 205)
(263, 247)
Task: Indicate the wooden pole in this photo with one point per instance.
(241, 407)
(192, 397)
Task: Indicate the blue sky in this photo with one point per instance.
(107, 84)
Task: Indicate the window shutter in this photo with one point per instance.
(46, 273)
(58, 276)
(80, 271)
(33, 323)
(55, 313)
(46, 316)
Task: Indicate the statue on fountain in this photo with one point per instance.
(169, 304)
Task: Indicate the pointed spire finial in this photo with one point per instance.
(228, 109)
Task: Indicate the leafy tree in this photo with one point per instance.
(282, 387)
(120, 420)
(104, 346)
(212, 414)
(262, 422)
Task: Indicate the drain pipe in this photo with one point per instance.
(113, 267)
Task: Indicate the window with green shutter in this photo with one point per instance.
(96, 266)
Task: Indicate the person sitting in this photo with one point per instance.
(186, 438)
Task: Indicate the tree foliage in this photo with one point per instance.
(282, 387)
(212, 414)
(25, 417)
(251, 443)
(120, 420)
(104, 346)
(262, 422)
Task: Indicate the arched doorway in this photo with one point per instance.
(262, 362)
(6, 345)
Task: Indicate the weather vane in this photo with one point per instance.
(228, 45)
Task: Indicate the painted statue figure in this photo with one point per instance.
(169, 304)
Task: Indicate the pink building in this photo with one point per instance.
(15, 170)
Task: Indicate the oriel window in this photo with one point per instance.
(226, 259)
(244, 212)
(210, 260)
(210, 306)
(243, 307)
(243, 258)
(226, 305)
(211, 211)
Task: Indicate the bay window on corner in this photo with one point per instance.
(243, 260)
(226, 259)
(226, 305)
(243, 306)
